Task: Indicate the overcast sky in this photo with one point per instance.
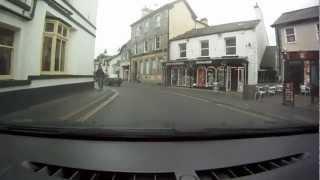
(115, 16)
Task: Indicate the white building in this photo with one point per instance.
(41, 38)
(227, 54)
(114, 66)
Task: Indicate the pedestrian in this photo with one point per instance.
(100, 77)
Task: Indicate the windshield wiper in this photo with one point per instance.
(151, 134)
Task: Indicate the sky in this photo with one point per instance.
(115, 16)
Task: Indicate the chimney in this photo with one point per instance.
(204, 21)
(146, 11)
(257, 11)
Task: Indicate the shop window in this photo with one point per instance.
(6, 51)
(157, 42)
(141, 67)
(205, 48)
(231, 46)
(183, 50)
(54, 46)
(290, 35)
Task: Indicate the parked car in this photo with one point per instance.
(113, 81)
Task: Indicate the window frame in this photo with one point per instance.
(317, 31)
(55, 36)
(228, 46)
(157, 18)
(294, 34)
(201, 48)
(155, 42)
(145, 46)
(182, 51)
(11, 47)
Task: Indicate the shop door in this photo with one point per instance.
(174, 77)
(240, 79)
(201, 79)
(295, 74)
(234, 79)
(228, 79)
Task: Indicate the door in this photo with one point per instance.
(228, 79)
(234, 79)
(201, 78)
(240, 79)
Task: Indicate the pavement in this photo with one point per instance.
(139, 106)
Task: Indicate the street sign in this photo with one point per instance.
(288, 94)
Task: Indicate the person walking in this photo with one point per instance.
(100, 77)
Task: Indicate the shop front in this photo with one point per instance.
(222, 74)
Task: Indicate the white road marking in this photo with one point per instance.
(98, 108)
(83, 108)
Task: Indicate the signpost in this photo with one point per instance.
(288, 94)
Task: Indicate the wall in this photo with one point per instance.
(262, 41)
(180, 20)
(26, 59)
(306, 38)
(217, 49)
(87, 8)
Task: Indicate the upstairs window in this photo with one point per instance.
(290, 35)
(231, 46)
(146, 25)
(54, 46)
(205, 48)
(183, 50)
(157, 42)
(158, 20)
(6, 51)
(146, 46)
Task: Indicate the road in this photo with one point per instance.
(141, 106)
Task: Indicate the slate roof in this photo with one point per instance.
(297, 15)
(222, 28)
(269, 57)
(166, 6)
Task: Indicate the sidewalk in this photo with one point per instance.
(63, 111)
(302, 112)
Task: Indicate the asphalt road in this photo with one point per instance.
(140, 106)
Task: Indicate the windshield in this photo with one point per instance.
(159, 65)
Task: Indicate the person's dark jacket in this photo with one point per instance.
(100, 73)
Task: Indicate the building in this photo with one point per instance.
(41, 38)
(268, 67)
(150, 38)
(226, 55)
(46, 50)
(125, 63)
(297, 35)
(113, 66)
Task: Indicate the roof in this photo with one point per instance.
(222, 28)
(166, 6)
(297, 15)
(269, 57)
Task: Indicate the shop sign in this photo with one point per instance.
(288, 94)
(203, 62)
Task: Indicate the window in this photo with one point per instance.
(146, 46)
(141, 67)
(157, 42)
(290, 35)
(6, 50)
(54, 46)
(146, 25)
(183, 50)
(205, 48)
(135, 50)
(158, 20)
(144, 67)
(317, 30)
(231, 46)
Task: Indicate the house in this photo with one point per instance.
(125, 63)
(41, 38)
(113, 69)
(150, 36)
(46, 50)
(267, 72)
(226, 55)
(297, 35)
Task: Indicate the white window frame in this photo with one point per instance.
(155, 42)
(208, 48)
(235, 46)
(11, 47)
(145, 46)
(56, 36)
(181, 51)
(294, 34)
(317, 31)
(157, 18)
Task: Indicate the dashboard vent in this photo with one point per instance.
(82, 174)
(248, 169)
